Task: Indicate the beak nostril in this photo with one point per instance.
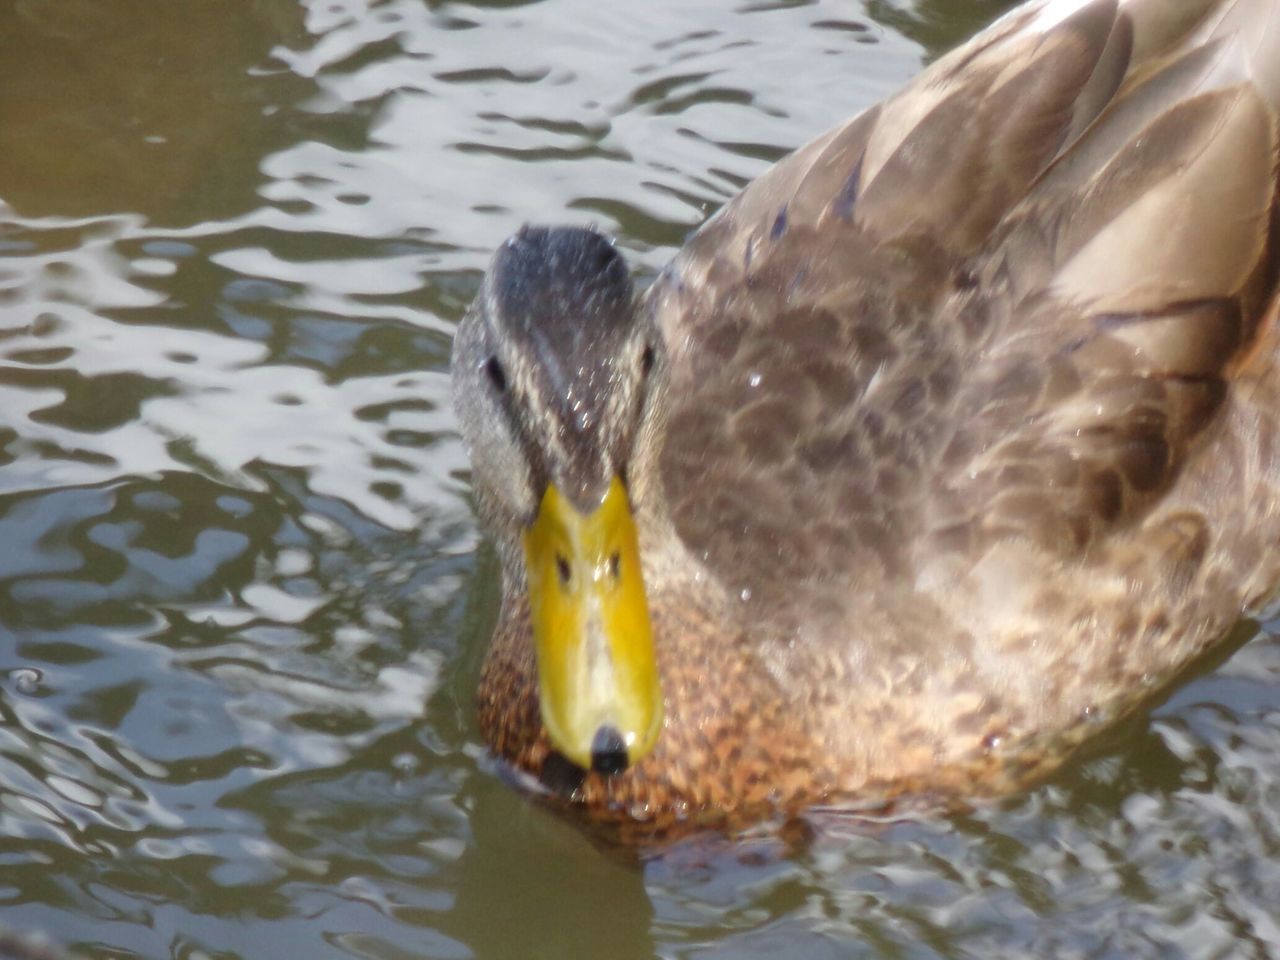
(608, 751)
(562, 570)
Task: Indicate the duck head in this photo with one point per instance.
(552, 373)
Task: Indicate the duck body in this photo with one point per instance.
(962, 433)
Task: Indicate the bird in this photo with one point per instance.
(948, 442)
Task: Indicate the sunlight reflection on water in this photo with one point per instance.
(243, 601)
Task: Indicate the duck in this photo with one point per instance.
(948, 442)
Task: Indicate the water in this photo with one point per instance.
(242, 597)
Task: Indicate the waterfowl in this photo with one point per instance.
(941, 446)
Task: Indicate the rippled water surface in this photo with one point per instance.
(242, 597)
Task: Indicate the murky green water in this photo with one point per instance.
(242, 597)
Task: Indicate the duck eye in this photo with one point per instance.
(497, 376)
(646, 360)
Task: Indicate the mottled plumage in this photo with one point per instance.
(962, 431)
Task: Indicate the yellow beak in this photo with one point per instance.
(597, 675)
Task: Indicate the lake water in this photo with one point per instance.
(243, 600)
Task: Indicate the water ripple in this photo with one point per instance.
(242, 596)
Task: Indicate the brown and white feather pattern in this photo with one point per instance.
(991, 354)
(971, 423)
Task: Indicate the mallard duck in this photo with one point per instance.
(944, 444)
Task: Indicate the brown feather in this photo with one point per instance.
(968, 431)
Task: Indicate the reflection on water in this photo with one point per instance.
(242, 598)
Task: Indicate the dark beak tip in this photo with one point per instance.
(608, 751)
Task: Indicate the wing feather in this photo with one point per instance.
(1006, 302)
